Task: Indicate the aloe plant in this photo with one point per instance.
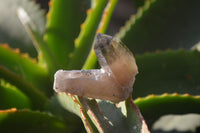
(168, 81)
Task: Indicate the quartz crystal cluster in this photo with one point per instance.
(112, 82)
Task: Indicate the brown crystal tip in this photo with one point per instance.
(102, 40)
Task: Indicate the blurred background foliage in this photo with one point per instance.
(160, 33)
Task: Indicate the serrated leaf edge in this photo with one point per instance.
(133, 19)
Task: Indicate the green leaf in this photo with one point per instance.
(63, 26)
(63, 103)
(162, 24)
(123, 117)
(32, 122)
(95, 114)
(167, 71)
(45, 56)
(85, 39)
(134, 117)
(25, 67)
(63, 107)
(92, 59)
(11, 97)
(37, 98)
(10, 26)
(99, 117)
(66, 102)
(154, 106)
(115, 116)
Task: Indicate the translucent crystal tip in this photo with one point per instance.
(102, 40)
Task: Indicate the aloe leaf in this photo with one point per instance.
(68, 103)
(10, 97)
(83, 43)
(30, 121)
(37, 98)
(107, 118)
(154, 106)
(134, 117)
(46, 57)
(10, 26)
(91, 59)
(123, 117)
(63, 106)
(63, 111)
(25, 67)
(167, 71)
(95, 114)
(114, 115)
(63, 26)
(162, 24)
(64, 102)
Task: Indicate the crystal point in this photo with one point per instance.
(112, 82)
